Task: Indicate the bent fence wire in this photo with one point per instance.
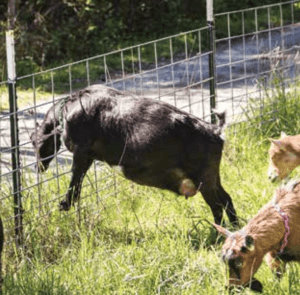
(248, 57)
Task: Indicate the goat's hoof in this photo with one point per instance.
(64, 206)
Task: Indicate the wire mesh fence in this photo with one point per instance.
(253, 48)
(257, 50)
(172, 69)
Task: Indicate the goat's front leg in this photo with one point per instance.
(276, 264)
(81, 163)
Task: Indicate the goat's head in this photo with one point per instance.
(242, 258)
(283, 158)
(46, 144)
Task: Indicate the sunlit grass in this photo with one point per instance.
(25, 97)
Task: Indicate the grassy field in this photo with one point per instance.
(130, 239)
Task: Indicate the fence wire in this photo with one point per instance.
(175, 69)
(172, 69)
(258, 50)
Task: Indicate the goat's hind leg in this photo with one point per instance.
(210, 195)
(81, 163)
(226, 201)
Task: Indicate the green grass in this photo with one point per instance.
(26, 97)
(130, 239)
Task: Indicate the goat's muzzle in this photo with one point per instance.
(40, 167)
(254, 285)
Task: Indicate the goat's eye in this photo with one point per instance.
(244, 249)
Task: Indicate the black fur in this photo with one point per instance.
(155, 143)
(287, 257)
(255, 285)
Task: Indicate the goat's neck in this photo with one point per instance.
(267, 229)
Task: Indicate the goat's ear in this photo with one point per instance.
(272, 139)
(279, 144)
(276, 142)
(282, 134)
(249, 241)
(222, 230)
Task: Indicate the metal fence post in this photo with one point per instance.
(211, 32)
(14, 134)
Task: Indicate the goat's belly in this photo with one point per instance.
(173, 179)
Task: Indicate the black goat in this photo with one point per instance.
(153, 142)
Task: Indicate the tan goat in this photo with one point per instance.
(274, 232)
(284, 156)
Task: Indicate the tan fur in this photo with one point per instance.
(267, 230)
(284, 156)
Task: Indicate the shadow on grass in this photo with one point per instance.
(42, 284)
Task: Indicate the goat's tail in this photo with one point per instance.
(221, 116)
(219, 129)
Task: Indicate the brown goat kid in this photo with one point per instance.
(274, 232)
(284, 156)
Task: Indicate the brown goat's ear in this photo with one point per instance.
(249, 241)
(276, 142)
(222, 230)
(279, 144)
(273, 140)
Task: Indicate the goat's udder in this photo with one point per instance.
(187, 188)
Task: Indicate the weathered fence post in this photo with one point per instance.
(212, 83)
(14, 135)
